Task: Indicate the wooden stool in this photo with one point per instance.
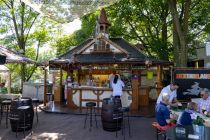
(5, 103)
(36, 101)
(23, 110)
(159, 130)
(89, 112)
(49, 98)
(123, 113)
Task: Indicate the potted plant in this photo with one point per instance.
(198, 126)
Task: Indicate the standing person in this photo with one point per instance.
(204, 103)
(67, 83)
(117, 86)
(111, 78)
(90, 81)
(171, 91)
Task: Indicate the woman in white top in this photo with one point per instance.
(117, 86)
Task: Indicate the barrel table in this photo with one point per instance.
(111, 120)
(17, 118)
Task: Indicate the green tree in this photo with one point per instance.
(21, 29)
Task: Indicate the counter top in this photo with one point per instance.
(9, 96)
(95, 88)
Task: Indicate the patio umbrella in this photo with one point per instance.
(2, 59)
(9, 56)
(3, 69)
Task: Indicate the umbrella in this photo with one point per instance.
(3, 69)
(13, 57)
(2, 59)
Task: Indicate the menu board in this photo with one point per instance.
(191, 81)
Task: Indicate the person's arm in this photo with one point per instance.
(167, 116)
(123, 85)
(174, 102)
(207, 124)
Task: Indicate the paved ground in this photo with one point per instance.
(70, 127)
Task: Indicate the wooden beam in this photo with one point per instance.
(135, 91)
(159, 79)
(45, 86)
(61, 84)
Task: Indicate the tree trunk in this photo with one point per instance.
(176, 47)
(181, 27)
(22, 76)
(164, 27)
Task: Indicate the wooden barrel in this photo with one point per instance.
(15, 113)
(108, 113)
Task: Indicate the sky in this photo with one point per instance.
(72, 26)
(68, 28)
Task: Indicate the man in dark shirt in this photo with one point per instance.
(163, 113)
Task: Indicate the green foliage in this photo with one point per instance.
(21, 28)
(198, 121)
(63, 44)
(145, 21)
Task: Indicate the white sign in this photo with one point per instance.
(208, 48)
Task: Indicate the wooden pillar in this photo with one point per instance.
(61, 84)
(135, 90)
(9, 83)
(45, 86)
(70, 102)
(159, 79)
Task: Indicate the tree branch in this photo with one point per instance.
(27, 34)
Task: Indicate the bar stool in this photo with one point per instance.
(5, 103)
(36, 101)
(49, 97)
(159, 130)
(123, 112)
(90, 111)
(23, 110)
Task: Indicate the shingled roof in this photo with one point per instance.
(14, 57)
(104, 50)
(133, 56)
(103, 17)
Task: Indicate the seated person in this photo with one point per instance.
(171, 91)
(185, 118)
(3, 89)
(207, 124)
(163, 113)
(204, 103)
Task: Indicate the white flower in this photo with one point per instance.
(205, 112)
(193, 116)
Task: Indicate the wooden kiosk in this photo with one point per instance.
(100, 57)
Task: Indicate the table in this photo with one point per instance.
(179, 111)
(193, 132)
(9, 96)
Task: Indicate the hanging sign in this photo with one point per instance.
(191, 81)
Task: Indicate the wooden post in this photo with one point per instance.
(70, 102)
(45, 86)
(135, 90)
(9, 83)
(159, 79)
(61, 85)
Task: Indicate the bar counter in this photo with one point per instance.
(83, 94)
